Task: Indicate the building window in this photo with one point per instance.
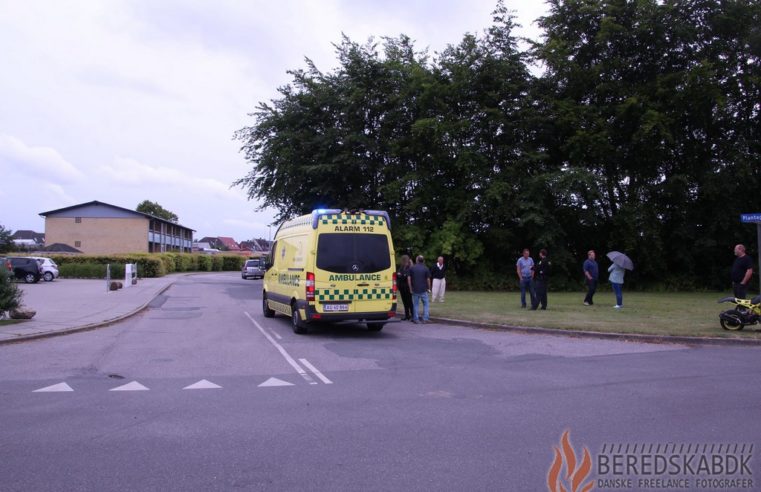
(77, 244)
(77, 220)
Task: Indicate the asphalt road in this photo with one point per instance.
(414, 407)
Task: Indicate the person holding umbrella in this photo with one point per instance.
(617, 270)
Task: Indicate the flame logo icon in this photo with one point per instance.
(574, 476)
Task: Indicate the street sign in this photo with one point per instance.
(750, 218)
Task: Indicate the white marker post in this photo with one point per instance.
(128, 275)
(755, 219)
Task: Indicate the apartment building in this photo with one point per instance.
(101, 228)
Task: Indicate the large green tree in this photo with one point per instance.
(153, 208)
(641, 134)
(652, 106)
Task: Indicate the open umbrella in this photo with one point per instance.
(621, 260)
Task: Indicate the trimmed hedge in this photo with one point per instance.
(90, 270)
(148, 264)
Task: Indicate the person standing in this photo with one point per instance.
(541, 279)
(438, 274)
(742, 271)
(524, 267)
(591, 274)
(402, 275)
(419, 281)
(616, 280)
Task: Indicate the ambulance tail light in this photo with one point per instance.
(394, 287)
(310, 286)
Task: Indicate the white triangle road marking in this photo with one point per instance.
(133, 386)
(202, 384)
(54, 388)
(274, 382)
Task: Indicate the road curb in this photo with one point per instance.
(88, 327)
(627, 337)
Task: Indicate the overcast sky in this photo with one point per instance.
(125, 101)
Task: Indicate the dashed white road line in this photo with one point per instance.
(202, 384)
(282, 351)
(133, 386)
(56, 388)
(271, 382)
(314, 370)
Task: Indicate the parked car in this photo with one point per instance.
(49, 268)
(26, 269)
(253, 268)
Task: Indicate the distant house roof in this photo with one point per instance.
(247, 245)
(95, 203)
(229, 243)
(255, 245)
(60, 248)
(213, 242)
(38, 237)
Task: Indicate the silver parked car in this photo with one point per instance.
(253, 268)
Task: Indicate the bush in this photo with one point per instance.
(148, 264)
(188, 262)
(10, 294)
(231, 263)
(204, 263)
(90, 270)
(168, 261)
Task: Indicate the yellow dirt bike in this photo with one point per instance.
(746, 312)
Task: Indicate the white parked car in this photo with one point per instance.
(48, 267)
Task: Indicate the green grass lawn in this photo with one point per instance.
(683, 314)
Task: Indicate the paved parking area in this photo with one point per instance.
(67, 305)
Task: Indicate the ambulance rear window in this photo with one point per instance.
(353, 253)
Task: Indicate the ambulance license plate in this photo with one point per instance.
(335, 307)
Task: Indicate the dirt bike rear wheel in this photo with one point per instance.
(732, 324)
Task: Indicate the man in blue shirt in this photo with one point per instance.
(591, 274)
(524, 267)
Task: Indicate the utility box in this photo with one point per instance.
(130, 274)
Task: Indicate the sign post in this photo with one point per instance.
(755, 219)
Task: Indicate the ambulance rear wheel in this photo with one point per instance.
(374, 326)
(268, 313)
(298, 326)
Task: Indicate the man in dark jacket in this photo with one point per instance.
(591, 273)
(541, 279)
(742, 271)
(419, 281)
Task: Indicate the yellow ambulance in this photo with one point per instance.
(332, 265)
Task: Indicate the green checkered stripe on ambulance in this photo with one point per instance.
(353, 219)
(352, 294)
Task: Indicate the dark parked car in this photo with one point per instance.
(26, 269)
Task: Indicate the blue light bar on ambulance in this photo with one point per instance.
(316, 214)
